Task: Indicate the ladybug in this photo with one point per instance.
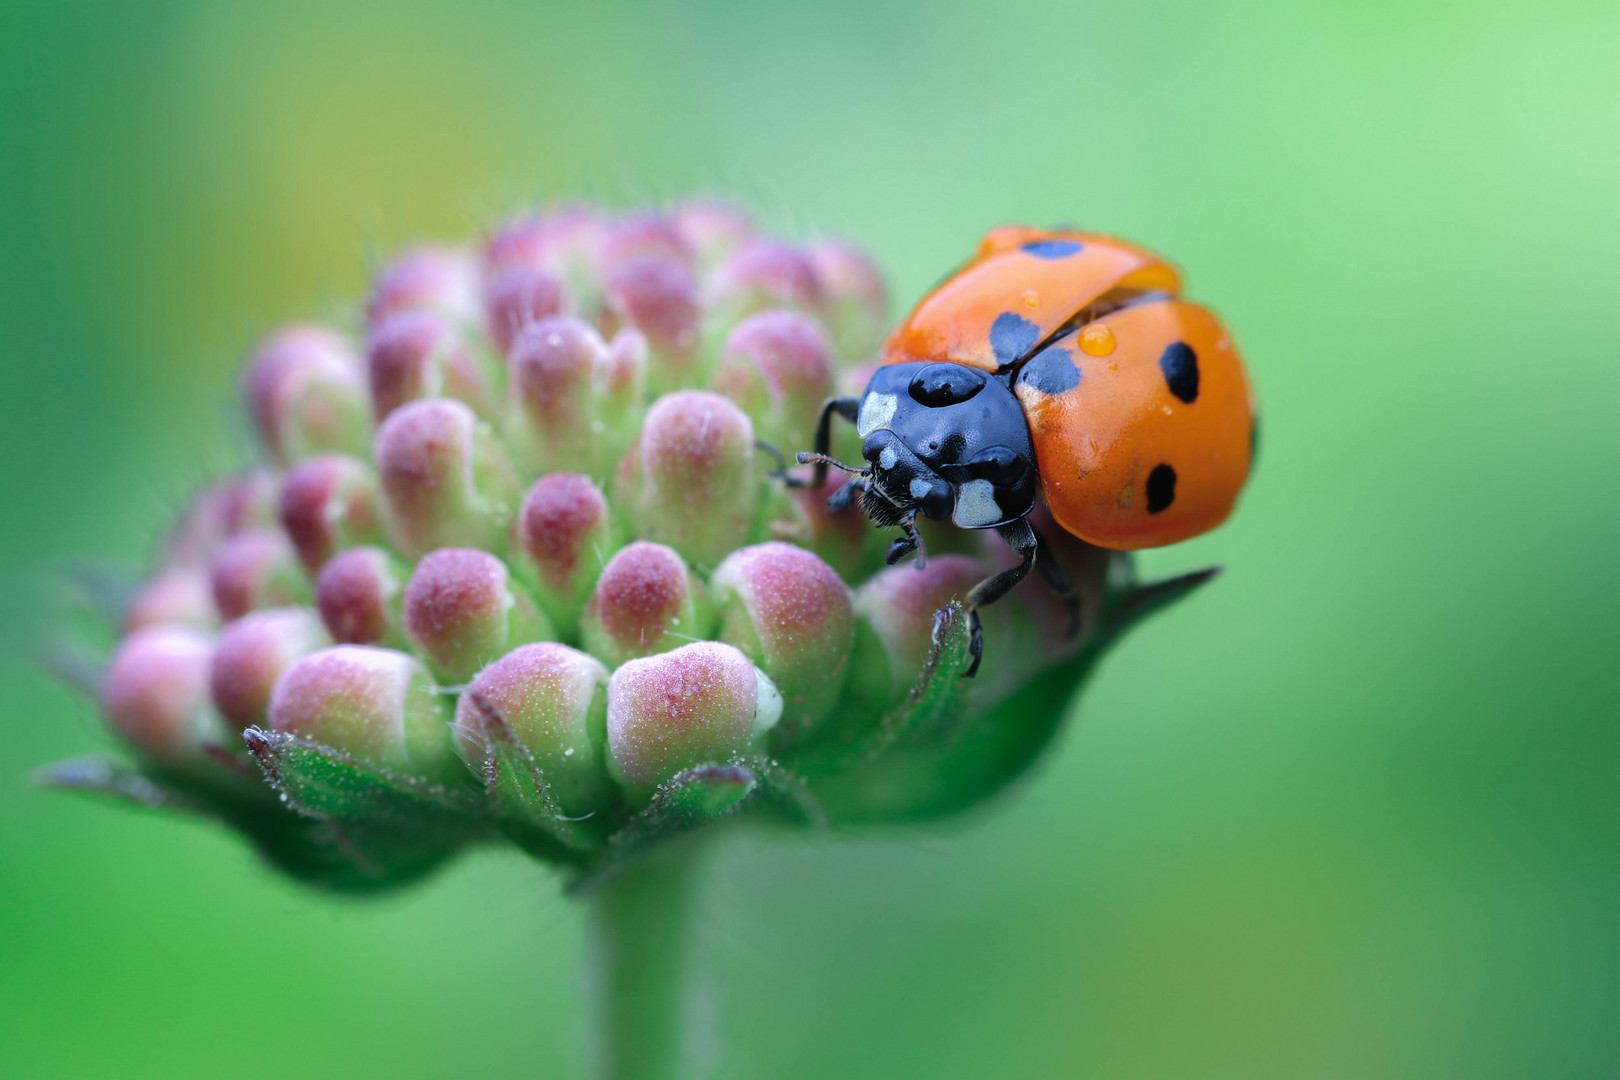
(1059, 365)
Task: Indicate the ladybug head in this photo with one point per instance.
(947, 441)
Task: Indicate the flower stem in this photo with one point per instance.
(638, 954)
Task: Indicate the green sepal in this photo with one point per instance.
(317, 780)
(520, 798)
(920, 780)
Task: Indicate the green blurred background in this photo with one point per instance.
(1350, 813)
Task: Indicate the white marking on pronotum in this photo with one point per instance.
(975, 505)
(919, 487)
(876, 412)
(887, 458)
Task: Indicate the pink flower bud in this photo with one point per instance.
(252, 653)
(378, 705)
(856, 300)
(790, 614)
(257, 569)
(359, 594)
(574, 401)
(462, 611)
(423, 354)
(714, 228)
(846, 540)
(666, 713)
(658, 295)
(439, 279)
(554, 240)
(766, 273)
(689, 481)
(182, 596)
(306, 390)
(646, 601)
(518, 297)
(155, 693)
(638, 236)
(560, 541)
(222, 510)
(778, 366)
(329, 503)
(898, 605)
(550, 698)
(445, 480)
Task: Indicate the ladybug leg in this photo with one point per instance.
(849, 408)
(1020, 536)
(780, 472)
(844, 497)
(906, 544)
(1057, 579)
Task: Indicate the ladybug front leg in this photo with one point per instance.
(1020, 536)
(849, 408)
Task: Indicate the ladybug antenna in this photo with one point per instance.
(807, 458)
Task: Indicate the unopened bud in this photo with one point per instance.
(790, 614)
(646, 601)
(700, 703)
(553, 702)
(574, 400)
(846, 540)
(689, 481)
(306, 389)
(439, 279)
(359, 594)
(560, 240)
(424, 354)
(462, 611)
(445, 480)
(182, 596)
(714, 228)
(641, 235)
(329, 503)
(379, 705)
(560, 542)
(658, 295)
(778, 366)
(250, 500)
(519, 296)
(765, 273)
(251, 655)
(855, 298)
(898, 606)
(257, 569)
(155, 693)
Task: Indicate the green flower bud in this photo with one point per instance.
(225, 509)
(182, 596)
(645, 601)
(714, 228)
(251, 655)
(444, 280)
(378, 705)
(155, 693)
(306, 389)
(700, 703)
(689, 481)
(518, 297)
(257, 569)
(329, 503)
(790, 614)
(462, 611)
(898, 606)
(765, 273)
(359, 594)
(658, 295)
(553, 702)
(560, 542)
(574, 400)
(639, 236)
(445, 480)
(562, 242)
(855, 298)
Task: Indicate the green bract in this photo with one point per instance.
(522, 565)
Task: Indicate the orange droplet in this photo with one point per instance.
(1096, 340)
(1032, 298)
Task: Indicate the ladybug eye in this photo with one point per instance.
(997, 464)
(938, 385)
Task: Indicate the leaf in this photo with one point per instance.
(325, 783)
(521, 798)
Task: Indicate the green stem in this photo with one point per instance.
(638, 939)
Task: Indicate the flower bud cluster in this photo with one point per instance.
(524, 515)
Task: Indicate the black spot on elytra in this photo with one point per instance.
(1051, 372)
(1053, 249)
(1011, 336)
(1161, 488)
(1180, 366)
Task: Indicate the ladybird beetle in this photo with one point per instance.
(1054, 364)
